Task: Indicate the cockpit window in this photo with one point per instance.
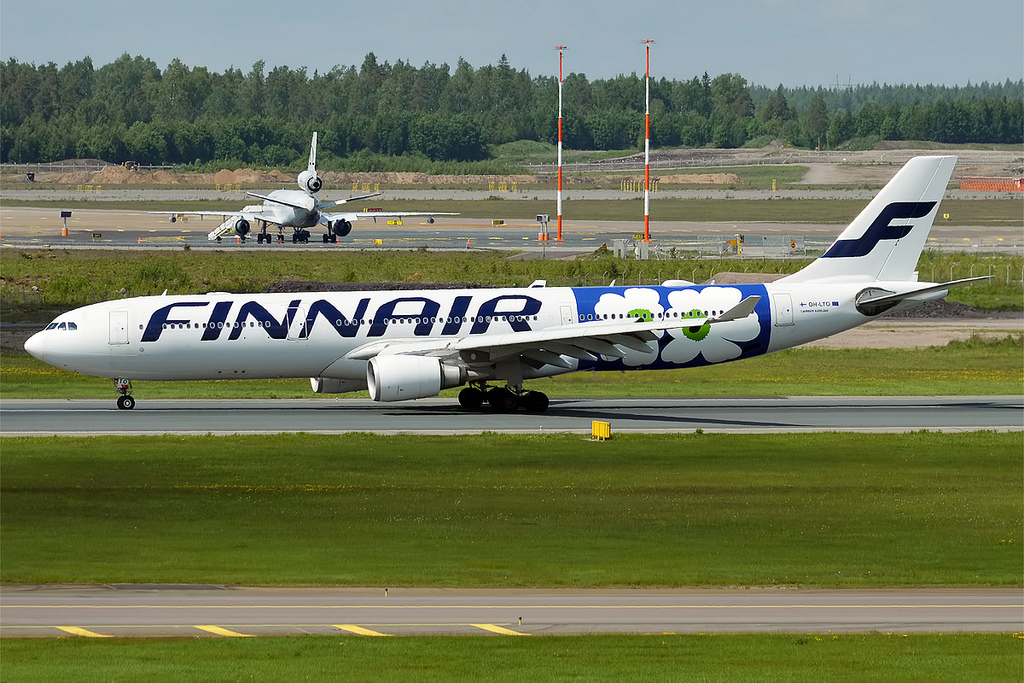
(72, 326)
(62, 326)
(51, 326)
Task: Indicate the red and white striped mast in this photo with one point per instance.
(647, 146)
(561, 49)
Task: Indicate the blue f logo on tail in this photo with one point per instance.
(880, 229)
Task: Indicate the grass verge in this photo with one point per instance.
(829, 510)
(874, 657)
(39, 278)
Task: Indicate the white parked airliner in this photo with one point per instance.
(412, 344)
(296, 209)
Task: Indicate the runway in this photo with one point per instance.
(141, 610)
(574, 415)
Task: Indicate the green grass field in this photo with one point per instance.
(69, 278)
(829, 510)
(874, 657)
(975, 367)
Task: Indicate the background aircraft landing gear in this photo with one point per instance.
(124, 387)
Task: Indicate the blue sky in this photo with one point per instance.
(793, 42)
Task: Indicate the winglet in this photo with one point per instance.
(739, 311)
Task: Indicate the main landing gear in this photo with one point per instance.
(124, 387)
(503, 399)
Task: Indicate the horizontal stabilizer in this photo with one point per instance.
(268, 198)
(875, 301)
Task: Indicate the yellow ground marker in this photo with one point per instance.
(84, 632)
(494, 628)
(218, 631)
(359, 630)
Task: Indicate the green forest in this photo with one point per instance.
(131, 109)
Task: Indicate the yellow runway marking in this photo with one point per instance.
(84, 632)
(359, 630)
(494, 628)
(218, 631)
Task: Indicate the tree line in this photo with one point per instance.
(130, 109)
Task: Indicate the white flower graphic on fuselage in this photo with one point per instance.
(716, 343)
(635, 302)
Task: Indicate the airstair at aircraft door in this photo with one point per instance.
(224, 228)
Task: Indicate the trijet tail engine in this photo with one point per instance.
(310, 182)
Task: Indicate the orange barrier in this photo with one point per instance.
(992, 184)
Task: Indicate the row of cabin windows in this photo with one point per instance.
(620, 316)
(387, 321)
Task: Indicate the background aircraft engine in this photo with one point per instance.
(401, 377)
(241, 227)
(341, 227)
(310, 182)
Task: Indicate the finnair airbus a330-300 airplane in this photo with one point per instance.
(413, 344)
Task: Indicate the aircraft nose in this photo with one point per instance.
(36, 345)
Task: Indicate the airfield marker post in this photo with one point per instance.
(561, 49)
(647, 145)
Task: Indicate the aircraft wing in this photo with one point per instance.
(582, 341)
(351, 216)
(248, 213)
(251, 214)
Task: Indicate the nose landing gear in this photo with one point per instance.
(124, 387)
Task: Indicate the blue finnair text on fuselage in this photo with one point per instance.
(365, 316)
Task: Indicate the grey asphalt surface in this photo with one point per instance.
(443, 416)
(153, 610)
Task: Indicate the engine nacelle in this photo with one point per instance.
(341, 227)
(241, 227)
(310, 182)
(330, 385)
(401, 377)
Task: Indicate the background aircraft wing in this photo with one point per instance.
(356, 215)
(250, 215)
(551, 346)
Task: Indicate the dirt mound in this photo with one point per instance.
(119, 175)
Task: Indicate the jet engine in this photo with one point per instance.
(310, 182)
(241, 227)
(341, 227)
(402, 377)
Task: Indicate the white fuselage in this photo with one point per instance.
(236, 336)
(286, 214)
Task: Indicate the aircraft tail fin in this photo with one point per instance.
(311, 167)
(885, 241)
